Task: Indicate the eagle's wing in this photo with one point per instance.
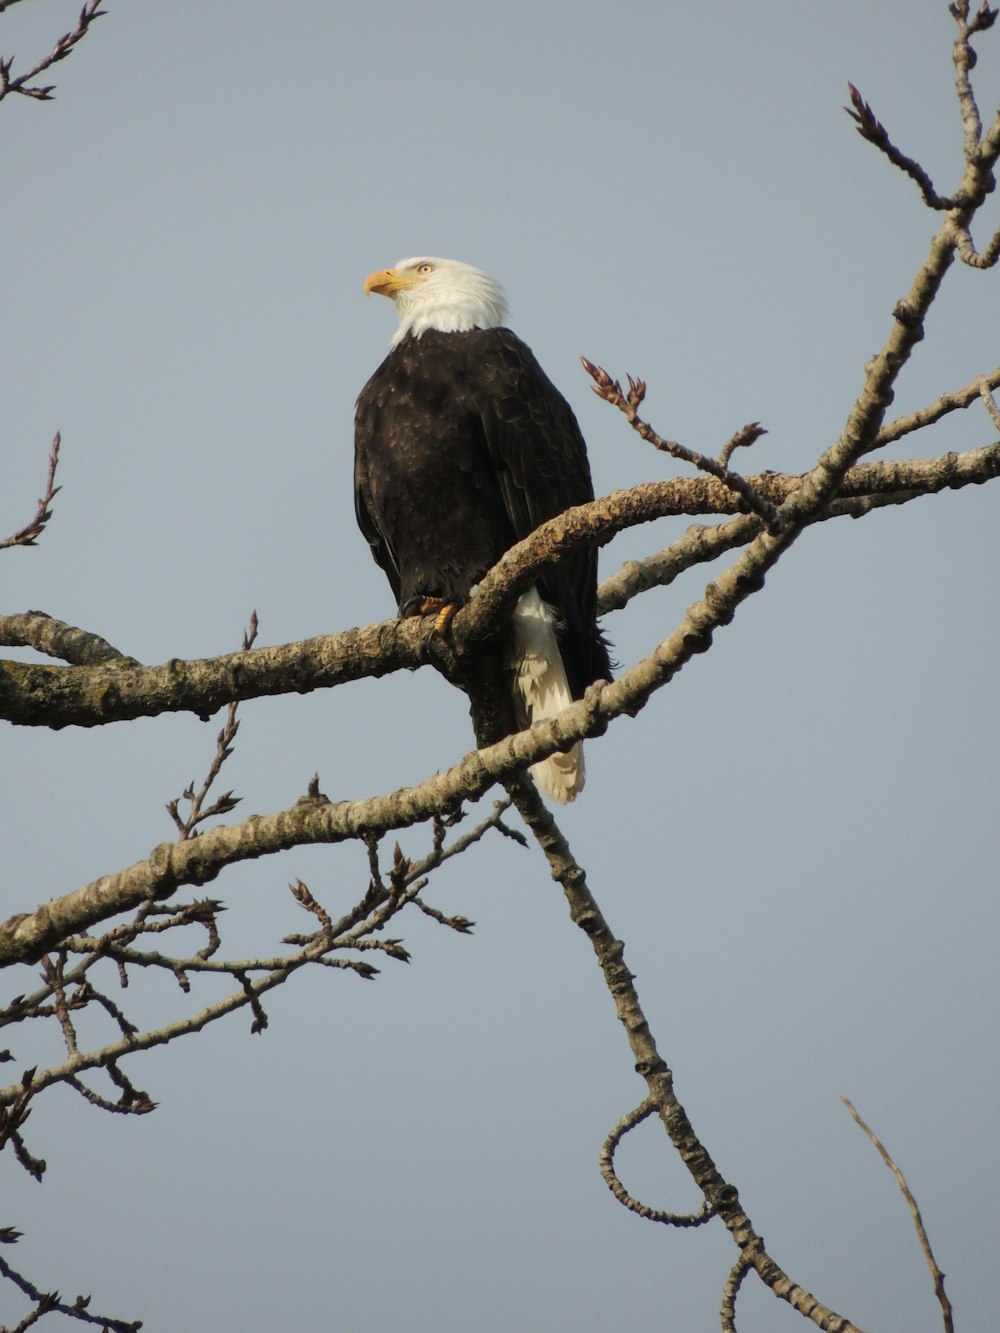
(364, 442)
(381, 549)
(540, 459)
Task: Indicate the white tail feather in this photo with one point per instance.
(541, 690)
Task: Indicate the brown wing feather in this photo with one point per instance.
(462, 447)
(541, 461)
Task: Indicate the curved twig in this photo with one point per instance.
(730, 1291)
(918, 1221)
(606, 1160)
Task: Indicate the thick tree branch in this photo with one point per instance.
(115, 690)
(101, 685)
(37, 695)
(202, 859)
(701, 543)
(79, 647)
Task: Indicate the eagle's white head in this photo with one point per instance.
(442, 294)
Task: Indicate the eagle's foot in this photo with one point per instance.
(442, 610)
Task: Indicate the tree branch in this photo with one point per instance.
(720, 1195)
(29, 534)
(79, 647)
(607, 1164)
(918, 1221)
(202, 859)
(63, 47)
(114, 690)
(358, 930)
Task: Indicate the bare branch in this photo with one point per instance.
(964, 58)
(874, 132)
(130, 1102)
(730, 1291)
(606, 1161)
(721, 1196)
(100, 685)
(198, 812)
(979, 151)
(359, 930)
(63, 47)
(971, 256)
(50, 1302)
(701, 544)
(200, 860)
(35, 629)
(36, 695)
(52, 972)
(611, 391)
(123, 691)
(29, 534)
(918, 1221)
(989, 401)
(947, 402)
(745, 437)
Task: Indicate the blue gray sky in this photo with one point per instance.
(797, 840)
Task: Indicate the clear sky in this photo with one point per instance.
(797, 841)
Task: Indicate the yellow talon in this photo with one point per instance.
(443, 612)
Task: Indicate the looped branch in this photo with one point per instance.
(606, 1160)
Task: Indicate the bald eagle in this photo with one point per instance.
(462, 447)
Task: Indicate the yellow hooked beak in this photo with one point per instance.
(389, 281)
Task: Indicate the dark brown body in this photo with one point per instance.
(462, 447)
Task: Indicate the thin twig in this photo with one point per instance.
(63, 47)
(945, 403)
(128, 1104)
(871, 129)
(965, 59)
(918, 1221)
(745, 437)
(29, 534)
(53, 974)
(628, 403)
(989, 401)
(46, 1302)
(198, 812)
(254, 977)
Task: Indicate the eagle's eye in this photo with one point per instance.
(425, 268)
